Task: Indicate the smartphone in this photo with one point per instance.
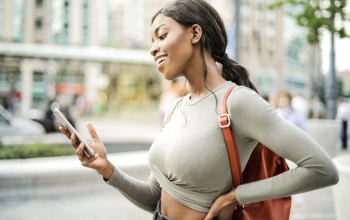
(64, 122)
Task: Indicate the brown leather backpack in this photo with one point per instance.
(262, 164)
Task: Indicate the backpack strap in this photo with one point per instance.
(225, 122)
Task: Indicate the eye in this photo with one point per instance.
(163, 36)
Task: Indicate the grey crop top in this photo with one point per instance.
(189, 158)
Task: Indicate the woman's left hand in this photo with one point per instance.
(223, 207)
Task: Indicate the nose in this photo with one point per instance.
(154, 49)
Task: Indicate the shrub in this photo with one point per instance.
(34, 150)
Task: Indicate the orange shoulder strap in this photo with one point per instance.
(225, 122)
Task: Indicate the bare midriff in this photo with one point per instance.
(177, 211)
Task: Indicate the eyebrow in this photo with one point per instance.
(157, 28)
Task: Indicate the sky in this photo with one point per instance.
(342, 53)
(342, 50)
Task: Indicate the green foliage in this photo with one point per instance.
(317, 15)
(340, 87)
(34, 150)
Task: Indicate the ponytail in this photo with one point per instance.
(214, 38)
(232, 71)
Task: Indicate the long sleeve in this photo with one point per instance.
(143, 194)
(254, 119)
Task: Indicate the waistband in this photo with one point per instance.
(157, 215)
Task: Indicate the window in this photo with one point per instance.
(245, 11)
(0, 17)
(271, 46)
(18, 20)
(60, 19)
(247, 43)
(70, 78)
(38, 77)
(136, 20)
(260, 16)
(271, 16)
(110, 24)
(271, 32)
(85, 22)
(246, 29)
(257, 38)
(39, 3)
(259, 4)
(295, 50)
(39, 24)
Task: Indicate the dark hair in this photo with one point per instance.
(214, 37)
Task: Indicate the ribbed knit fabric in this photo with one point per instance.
(189, 157)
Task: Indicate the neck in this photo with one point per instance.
(195, 77)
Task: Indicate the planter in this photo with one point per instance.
(341, 191)
(326, 134)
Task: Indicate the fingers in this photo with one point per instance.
(80, 151)
(210, 216)
(65, 131)
(83, 157)
(92, 132)
(92, 159)
(214, 210)
(222, 208)
(212, 213)
(73, 141)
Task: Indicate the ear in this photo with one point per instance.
(196, 33)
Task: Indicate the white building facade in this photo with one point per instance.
(77, 47)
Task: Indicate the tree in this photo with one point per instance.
(318, 16)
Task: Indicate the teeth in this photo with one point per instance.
(160, 59)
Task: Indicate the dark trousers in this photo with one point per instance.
(344, 134)
(157, 215)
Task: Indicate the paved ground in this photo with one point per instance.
(110, 205)
(106, 205)
(96, 200)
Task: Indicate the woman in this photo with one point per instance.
(285, 110)
(190, 171)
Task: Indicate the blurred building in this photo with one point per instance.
(99, 49)
(72, 48)
(344, 77)
(274, 49)
(271, 46)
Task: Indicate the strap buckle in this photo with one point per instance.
(228, 119)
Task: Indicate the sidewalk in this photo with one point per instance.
(60, 188)
(43, 186)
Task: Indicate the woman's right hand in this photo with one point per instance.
(99, 161)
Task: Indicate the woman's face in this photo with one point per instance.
(283, 102)
(172, 47)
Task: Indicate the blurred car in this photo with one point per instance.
(48, 118)
(13, 126)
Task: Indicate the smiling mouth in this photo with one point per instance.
(161, 60)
